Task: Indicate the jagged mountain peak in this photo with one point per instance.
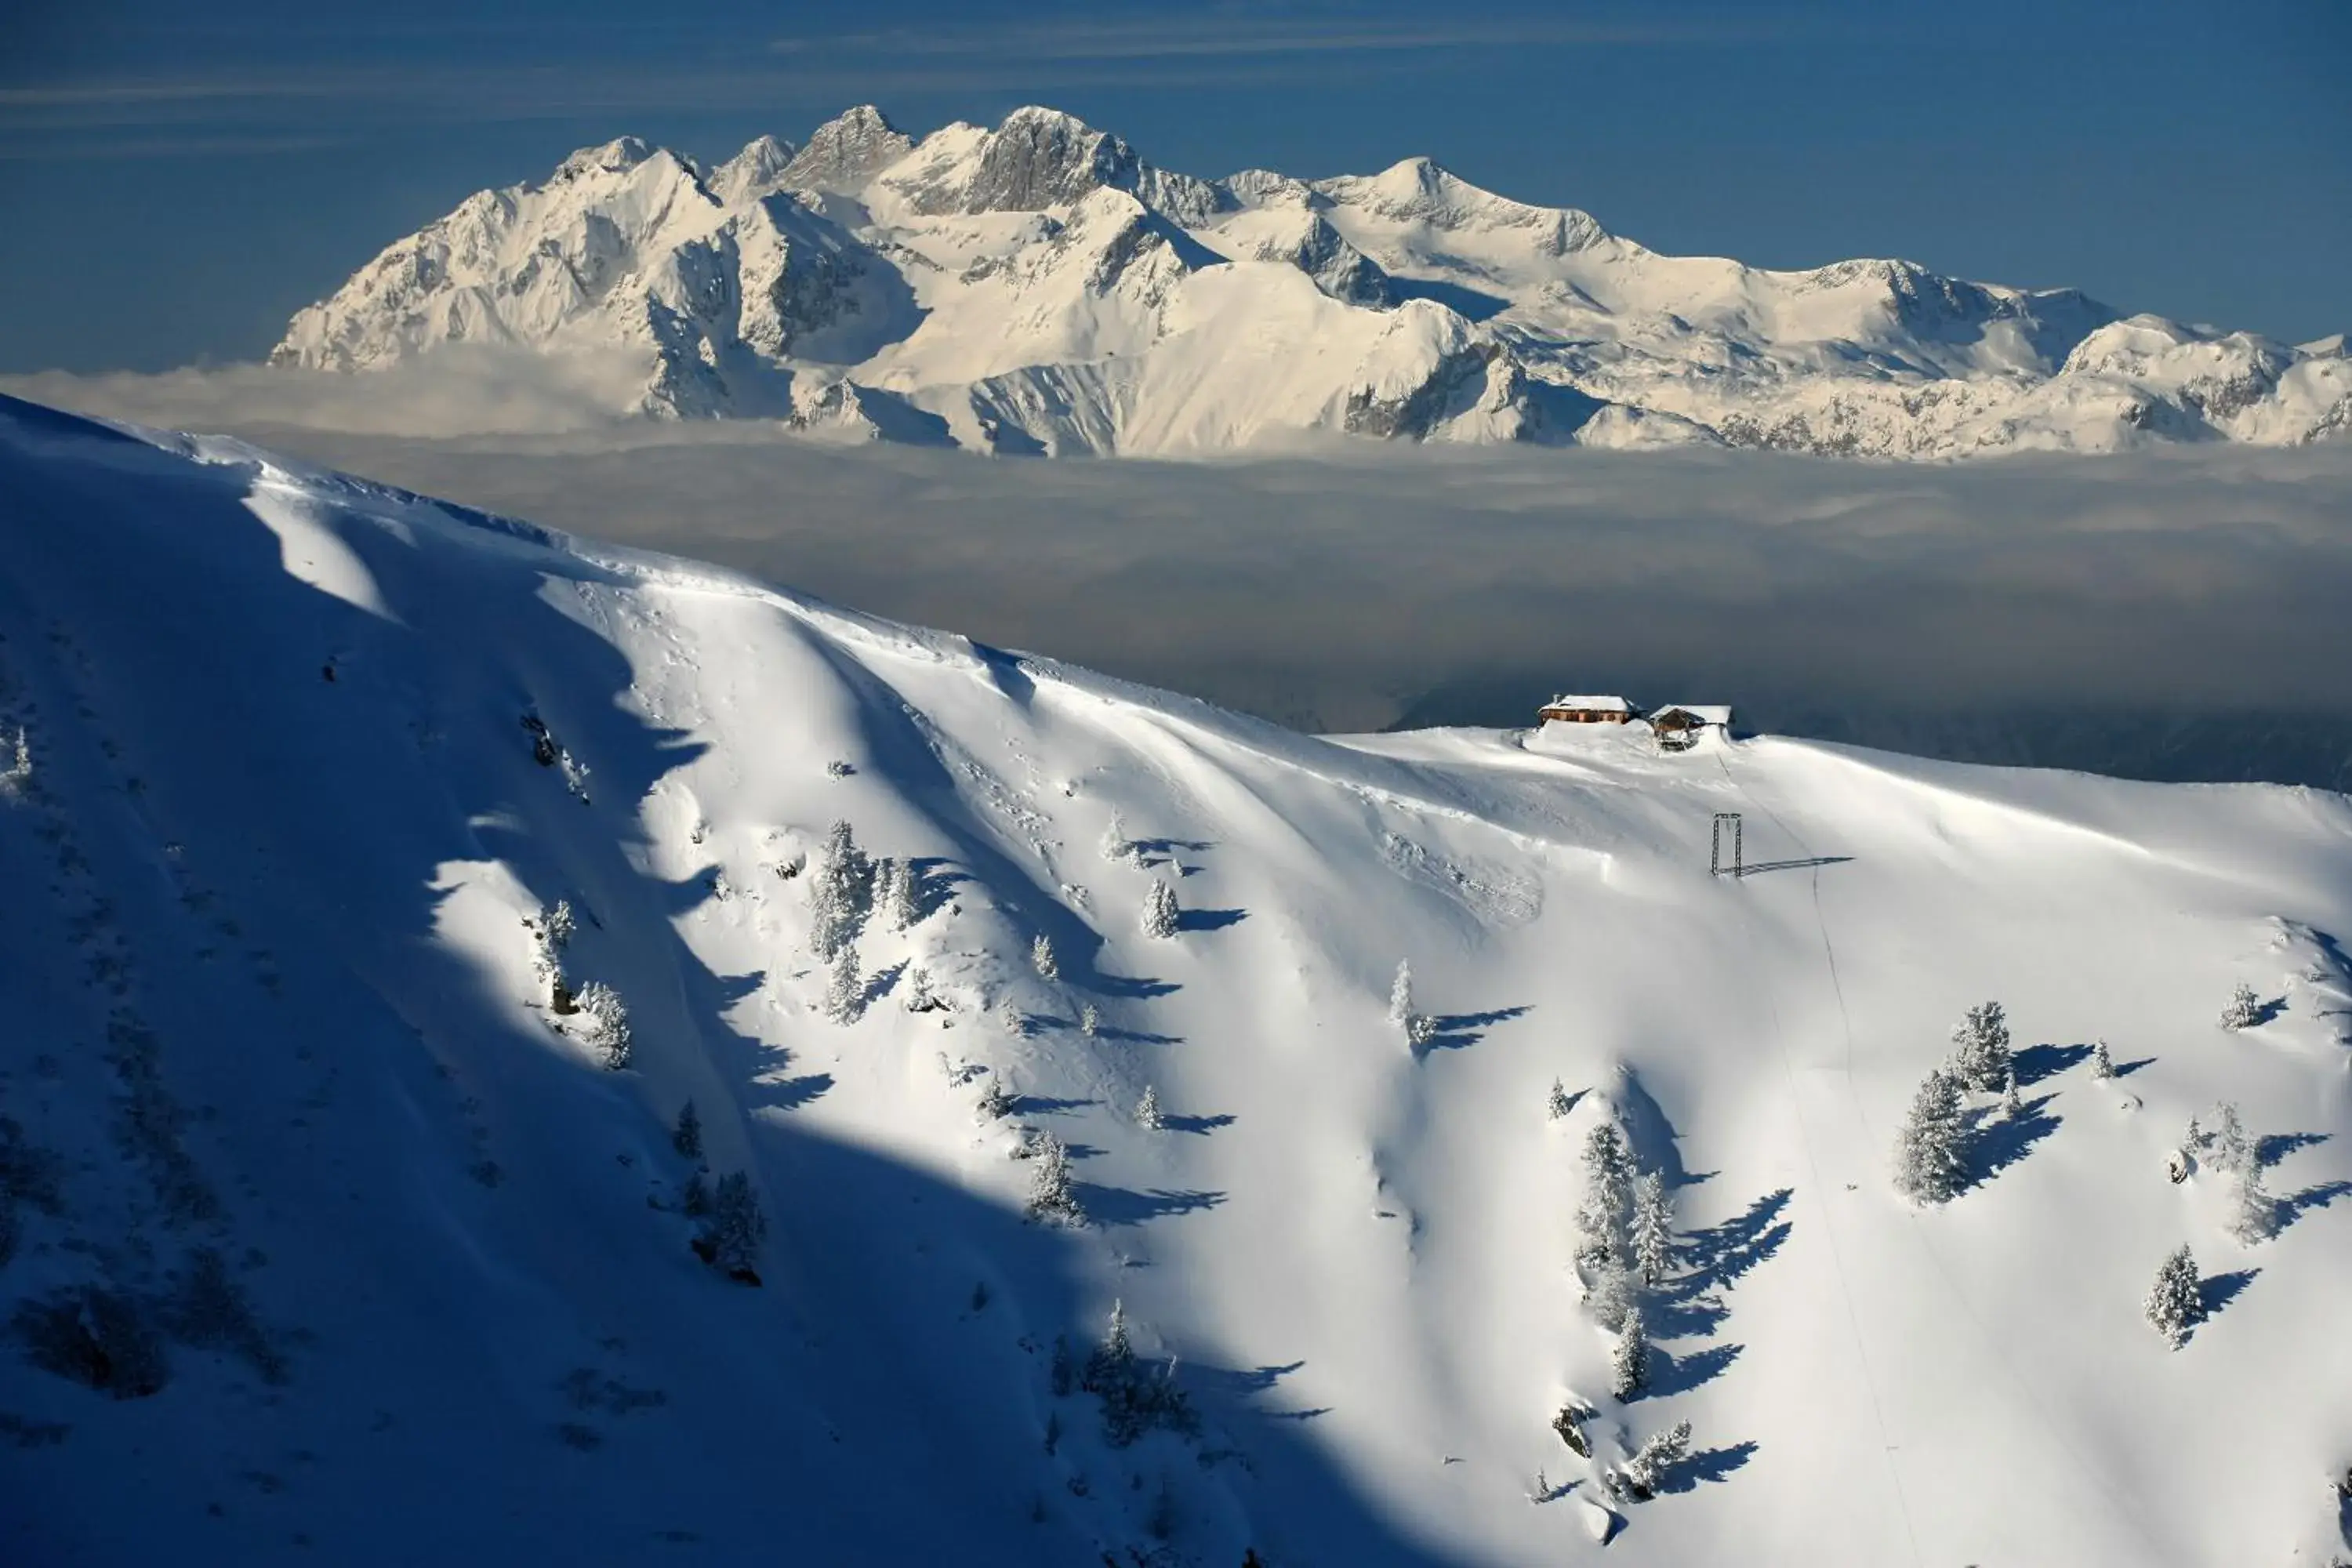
(941, 271)
(846, 151)
(616, 156)
(757, 170)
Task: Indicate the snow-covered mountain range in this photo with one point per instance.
(340, 1220)
(1040, 287)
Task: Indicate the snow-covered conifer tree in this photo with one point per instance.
(2254, 1213)
(1089, 1020)
(2174, 1302)
(2232, 1149)
(604, 1023)
(1042, 958)
(840, 893)
(1148, 1114)
(1607, 1205)
(1011, 1019)
(1159, 910)
(695, 1199)
(686, 1136)
(2245, 1009)
(1931, 1153)
(20, 770)
(995, 1100)
(2103, 1066)
(1654, 1461)
(1400, 994)
(1558, 1104)
(920, 998)
(2011, 1107)
(1629, 1363)
(1653, 1227)
(736, 1227)
(1981, 1054)
(550, 933)
(845, 987)
(1115, 844)
(1053, 1195)
(1613, 1295)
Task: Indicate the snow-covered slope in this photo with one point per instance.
(1041, 287)
(373, 1260)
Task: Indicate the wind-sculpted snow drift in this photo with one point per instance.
(1040, 287)
(330, 1236)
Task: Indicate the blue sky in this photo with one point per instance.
(178, 180)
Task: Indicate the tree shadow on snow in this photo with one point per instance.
(790, 1094)
(1136, 987)
(1719, 1255)
(2216, 1292)
(1671, 1375)
(2125, 1069)
(1460, 1031)
(2294, 1205)
(1046, 1105)
(2273, 1147)
(1209, 919)
(1121, 1205)
(2001, 1141)
(2035, 1063)
(1706, 1465)
(1203, 1125)
(1136, 1036)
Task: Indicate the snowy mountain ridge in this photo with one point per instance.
(1040, 285)
(388, 880)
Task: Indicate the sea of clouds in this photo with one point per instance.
(2180, 613)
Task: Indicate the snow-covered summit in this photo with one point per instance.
(386, 880)
(941, 261)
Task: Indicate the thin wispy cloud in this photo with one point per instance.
(1179, 36)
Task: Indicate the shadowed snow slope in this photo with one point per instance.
(388, 1267)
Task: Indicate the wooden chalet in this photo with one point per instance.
(1586, 710)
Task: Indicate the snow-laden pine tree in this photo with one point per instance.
(1148, 1114)
(919, 996)
(2245, 1009)
(1607, 1208)
(1159, 910)
(1400, 994)
(1011, 1019)
(845, 987)
(2232, 1150)
(1629, 1363)
(20, 770)
(1090, 1019)
(1042, 958)
(1654, 1461)
(2176, 1303)
(1653, 1227)
(1931, 1151)
(686, 1136)
(736, 1227)
(1981, 1054)
(550, 934)
(2103, 1066)
(1558, 1104)
(603, 1026)
(894, 893)
(1115, 844)
(1053, 1195)
(841, 892)
(995, 1100)
(2254, 1213)
(1613, 1295)
(2011, 1107)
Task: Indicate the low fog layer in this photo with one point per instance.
(2174, 614)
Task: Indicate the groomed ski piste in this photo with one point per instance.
(332, 1238)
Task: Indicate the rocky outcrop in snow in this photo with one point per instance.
(1040, 285)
